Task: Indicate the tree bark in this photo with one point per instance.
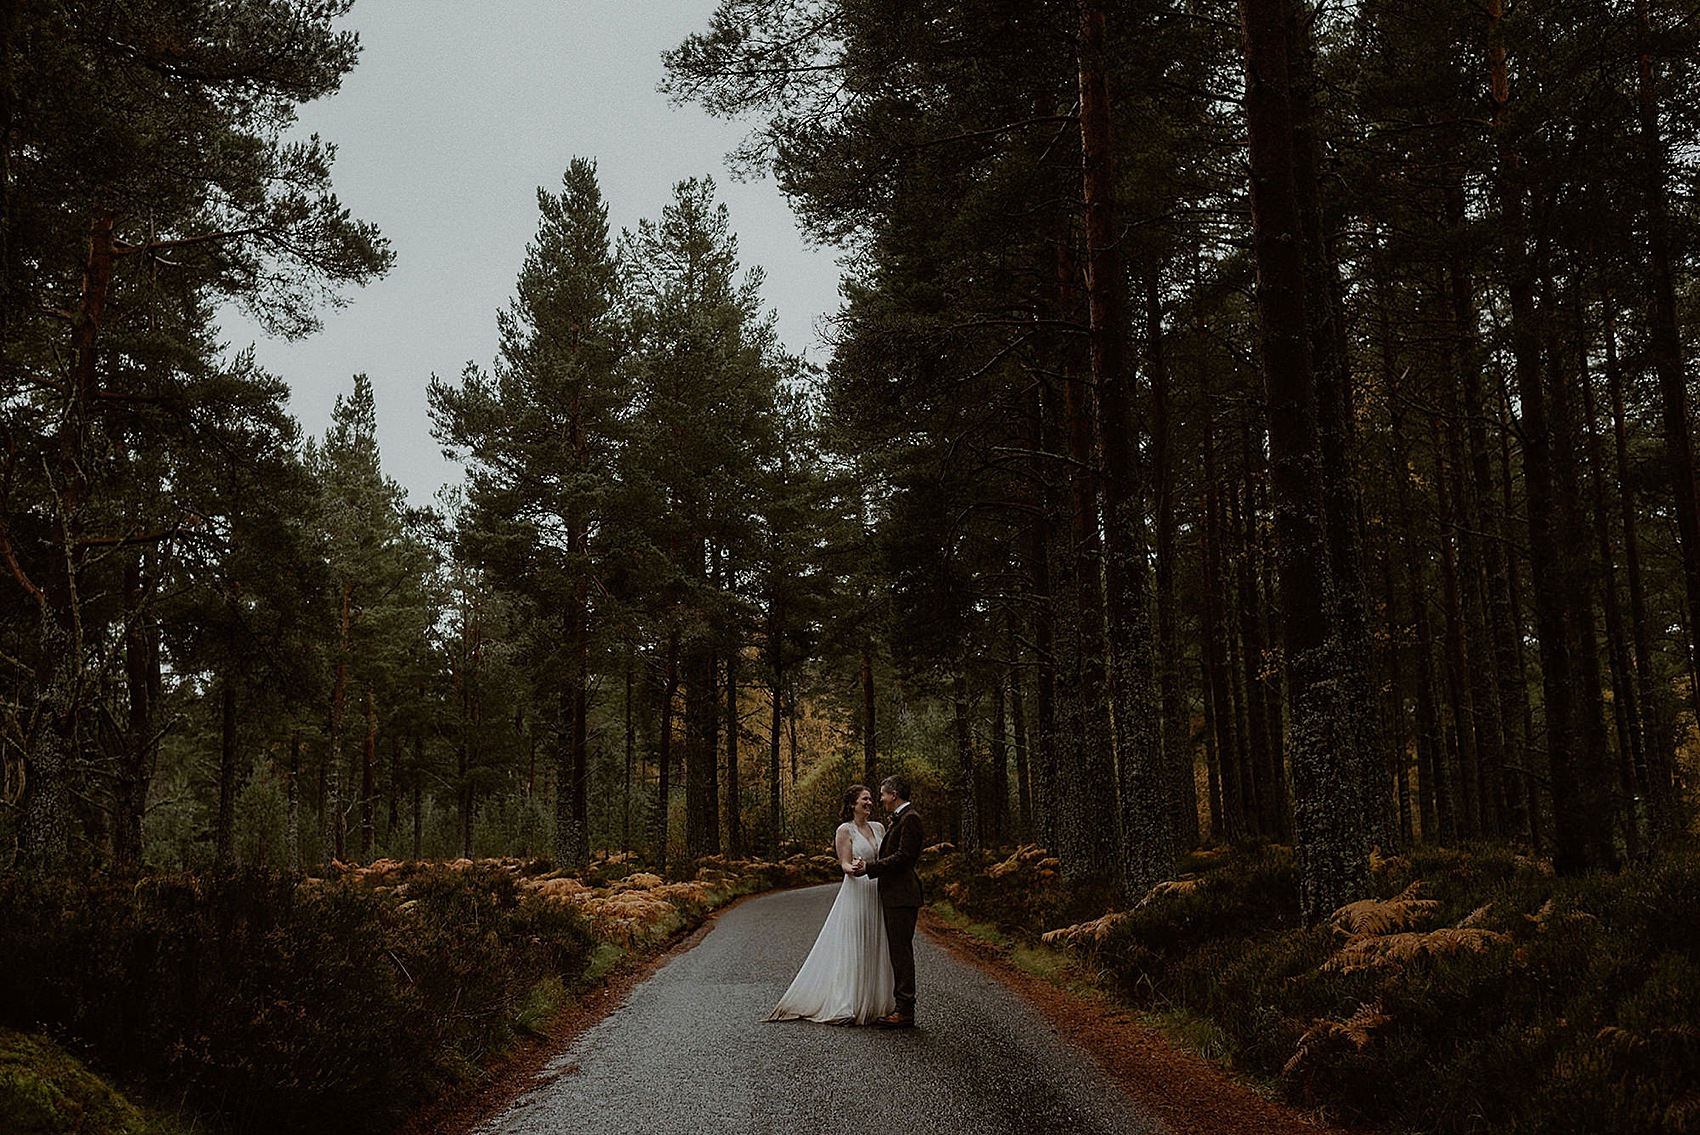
(1329, 818)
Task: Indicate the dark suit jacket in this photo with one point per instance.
(894, 867)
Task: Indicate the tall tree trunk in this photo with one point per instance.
(1178, 758)
(1018, 722)
(1434, 800)
(1508, 699)
(1087, 776)
(223, 841)
(967, 783)
(1263, 785)
(1626, 717)
(1230, 821)
(369, 776)
(418, 791)
(1657, 745)
(331, 826)
(734, 804)
(579, 852)
(292, 830)
(1328, 783)
(141, 659)
(775, 812)
(1581, 835)
(664, 751)
(1668, 364)
(1396, 692)
(702, 796)
(1144, 786)
(1331, 379)
(471, 713)
(1460, 776)
(870, 748)
(631, 755)
(392, 792)
(996, 810)
(1041, 540)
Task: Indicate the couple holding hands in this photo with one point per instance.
(862, 966)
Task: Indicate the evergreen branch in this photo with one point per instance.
(1007, 128)
(125, 248)
(11, 557)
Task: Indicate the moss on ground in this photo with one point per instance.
(45, 1090)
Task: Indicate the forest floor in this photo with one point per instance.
(1190, 1094)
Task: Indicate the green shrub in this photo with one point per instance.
(279, 1003)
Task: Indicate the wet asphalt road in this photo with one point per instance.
(688, 1052)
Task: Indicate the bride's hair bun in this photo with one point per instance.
(848, 811)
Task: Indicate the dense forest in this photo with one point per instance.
(1258, 424)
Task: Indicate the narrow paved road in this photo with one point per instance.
(688, 1053)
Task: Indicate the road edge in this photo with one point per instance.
(468, 1107)
(1190, 1094)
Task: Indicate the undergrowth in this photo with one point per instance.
(1474, 992)
(271, 1002)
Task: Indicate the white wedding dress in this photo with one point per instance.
(846, 979)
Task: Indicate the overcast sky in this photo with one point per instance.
(453, 118)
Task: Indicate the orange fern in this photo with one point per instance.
(1325, 1036)
(1390, 951)
(1368, 917)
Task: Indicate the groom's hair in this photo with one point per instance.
(897, 784)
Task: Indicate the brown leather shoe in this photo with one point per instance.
(897, 1021)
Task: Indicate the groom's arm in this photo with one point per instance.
(905, 855)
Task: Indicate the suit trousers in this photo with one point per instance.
(900, 934)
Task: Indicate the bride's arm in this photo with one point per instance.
(841, 844)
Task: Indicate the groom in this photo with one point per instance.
(900, 893)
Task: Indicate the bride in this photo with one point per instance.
(847, 979)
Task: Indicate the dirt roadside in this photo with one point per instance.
(1190, 1094)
